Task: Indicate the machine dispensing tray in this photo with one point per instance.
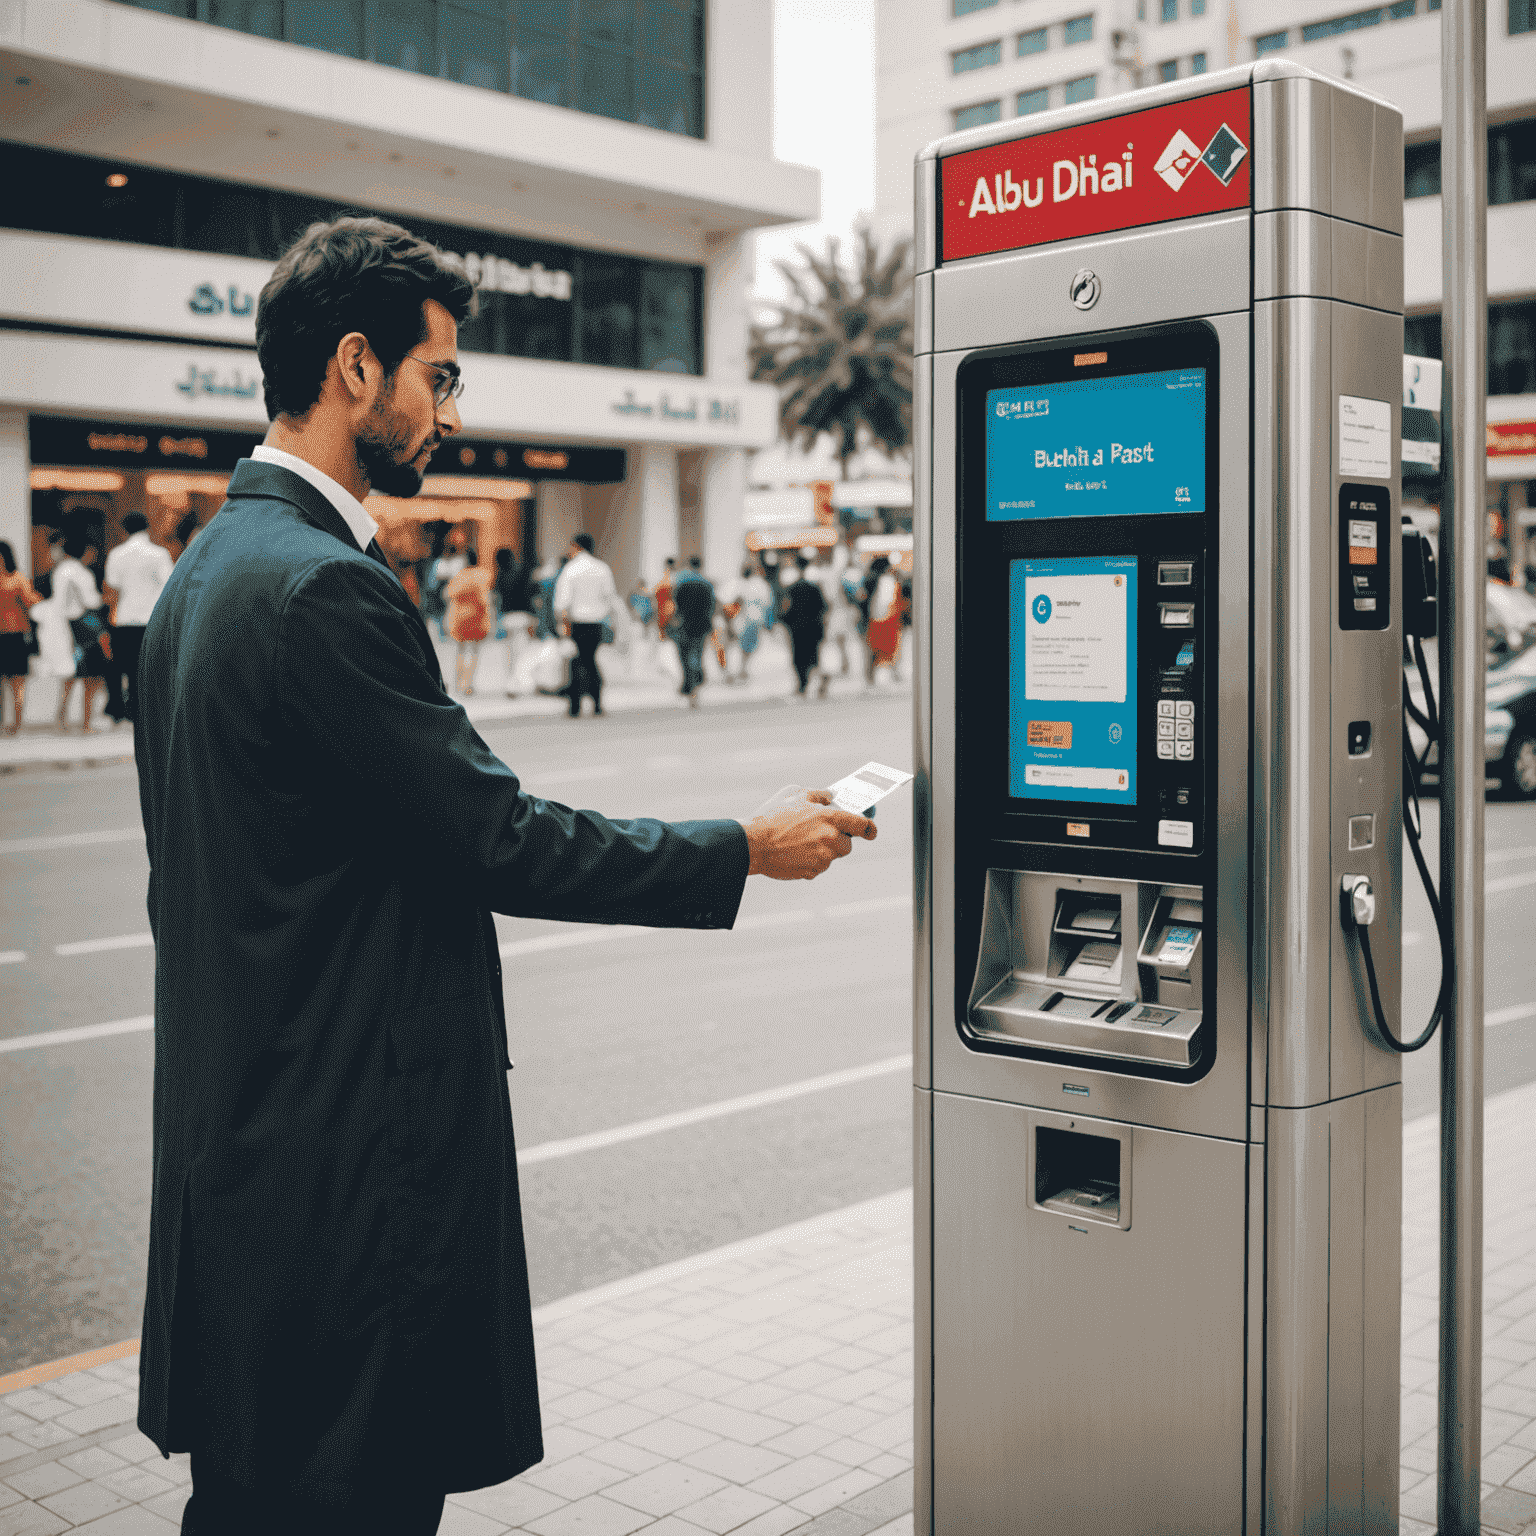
(1028, 1011)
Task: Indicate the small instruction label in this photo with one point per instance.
(865, 786)
(1365, 437)
(1050, 733)
(1362, 541)
(1176, 834)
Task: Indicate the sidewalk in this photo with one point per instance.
(765, 1389)
(625, 690)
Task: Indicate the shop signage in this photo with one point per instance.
(206, 299)
(214, 381)
(1170, 162)
(64, 441)
(530, 461)
(1511, 439)
(721, 410)
(499, 275)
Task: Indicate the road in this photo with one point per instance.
(672, 1091)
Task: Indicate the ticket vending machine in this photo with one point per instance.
(1158, 1138)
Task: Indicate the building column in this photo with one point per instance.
(721, 500)
(654, 506)
(559, 503)
(16, 487)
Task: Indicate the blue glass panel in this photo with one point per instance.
(261, 18)
(667, 98)
(1317, 30)
(1079, 29)
(1033, 101)
(404, 35)
(1083, 89)
(978, 57)
(1271, 42)
(965, 7)
(1168, 70)
(336, 26)
(982, 112)
(541, 68)
(1032, 42)
(1197, 64)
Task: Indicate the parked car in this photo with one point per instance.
(1511, 620)
(1509, 725)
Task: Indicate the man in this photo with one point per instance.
(584, 596)
(135, 572)
(805, 607)
(337, 1322)
(693, 602)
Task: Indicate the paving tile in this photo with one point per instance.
(514, 1502)
(615, 1420)
(122, 1408)
(38, 1482)
(671, 1438)
(80, 1388)
(735, 1462)
(802, 1440)
(561, 1441)
(43, 1433)
(93, 1461)
(458, 1521)
(666, 1489)
(786, 1483)
(170, 1506)
(31, 1520)
(627, 1458)
(773, 1522)
(85, 1501)
(891, 1497)
(8, 1496)
(901, 1526)
(35, 1403)
(136, 1483)
(836, 1492)
(595, 1516)
(726, 1509)
(662, 1401)
(12, 1449)
(1508, 1510)
(135, 1520)
(574, 1478)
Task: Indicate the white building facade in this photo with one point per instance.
(599, 165)
(943, 65)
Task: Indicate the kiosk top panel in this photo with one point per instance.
(1169, 162)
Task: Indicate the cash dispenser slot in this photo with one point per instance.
(1052, 972)
(1083, 1176)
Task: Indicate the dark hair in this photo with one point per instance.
(353, 274)
(695, 562)
(503, 559)
(75, 545)
(7, 558)
(583, 540)
(470, 557)
(134, 522)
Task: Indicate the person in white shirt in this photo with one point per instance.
(136, 571)
(78, 601)
(585, 595)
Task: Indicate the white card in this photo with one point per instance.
(862, 789)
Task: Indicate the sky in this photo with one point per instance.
(824, 115)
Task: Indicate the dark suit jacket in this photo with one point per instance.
(337, 1284)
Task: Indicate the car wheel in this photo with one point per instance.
(1520, 766)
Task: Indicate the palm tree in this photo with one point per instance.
(840, 348)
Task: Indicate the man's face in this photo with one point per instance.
(406, 423)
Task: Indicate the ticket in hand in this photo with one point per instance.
(866, 786)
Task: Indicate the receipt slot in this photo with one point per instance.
(1158, 1144)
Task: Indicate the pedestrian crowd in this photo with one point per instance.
(82, 620)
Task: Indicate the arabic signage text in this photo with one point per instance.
(667, 406)
(62, 440)
(1172, 162)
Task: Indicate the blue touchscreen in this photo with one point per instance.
(1072, 679)
(1097, 447)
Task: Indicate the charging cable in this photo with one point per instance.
(1357, 900)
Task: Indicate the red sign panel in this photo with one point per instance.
(1140, 168)
(1511, 439)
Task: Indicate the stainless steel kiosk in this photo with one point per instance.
(1158, 1142)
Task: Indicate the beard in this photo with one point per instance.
(387, 455)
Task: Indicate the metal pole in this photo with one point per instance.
(1463, 601)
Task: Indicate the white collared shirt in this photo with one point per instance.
(584, 590)
(359, 524)
(137, 570)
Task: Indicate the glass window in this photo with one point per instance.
(982, 112)
(671, 32)
(1421, 335)
(1082, 89)
(261, 18)
(607, 84)
(166, 7)
(541, 67)
(965, 7)
(1351, 23)
(1403, 9)
(228, 221)
(1034, 101)
(405, 35)
(667, 98)
(978, 57)
(1032, 42)
(1512, 348)
(1078, 30)
(1512, 162)
(1522, 15)
(1421, 170)
(1271, 42)
(1168, 70)
(668, 337)
(1197, 64)
(608, 21)
(474, 47)
(610, 288)
(1170, 10)
(1197, 7)
(336, 26)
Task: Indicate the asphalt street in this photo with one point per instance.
(672, 1091)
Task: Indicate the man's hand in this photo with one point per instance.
(798, 841)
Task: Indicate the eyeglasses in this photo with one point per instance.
(449, 386)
